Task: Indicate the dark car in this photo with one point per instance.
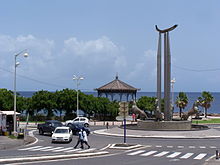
(76, 128)
(49, 126)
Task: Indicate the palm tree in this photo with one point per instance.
(181, 102)
(205, 101)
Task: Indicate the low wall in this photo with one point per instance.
(164, 125)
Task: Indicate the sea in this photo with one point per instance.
(192, 97)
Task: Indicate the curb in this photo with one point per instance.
(103, 132)
(50, 157)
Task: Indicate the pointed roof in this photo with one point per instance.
(117, 86)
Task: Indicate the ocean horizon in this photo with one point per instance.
(192, 97)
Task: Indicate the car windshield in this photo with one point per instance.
(61, 131)
(56, 124)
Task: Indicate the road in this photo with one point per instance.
(154, 151)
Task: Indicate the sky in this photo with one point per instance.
(97, 39)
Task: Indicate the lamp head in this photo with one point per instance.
(25, 54)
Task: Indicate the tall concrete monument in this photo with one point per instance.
(167, 73)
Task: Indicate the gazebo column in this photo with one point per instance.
(120, 96)
(112, 96)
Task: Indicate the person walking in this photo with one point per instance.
(85, 138)
(80, 139)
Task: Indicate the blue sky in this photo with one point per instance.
(99, 38)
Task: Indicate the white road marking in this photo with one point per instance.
(148, 153)
(51, 149)
(200, 156)
(213, 147)
(186, 156)
(87, 150)
(72, 150)
(202, 146)
(192, 147)
(136, 152)
(41, 148)
(180, 146)
(158, 146)
(161, 154)
(174, 155)
(22, 149)
(169, 146)
(64, 149)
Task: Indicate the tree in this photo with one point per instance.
(181, 102)
(205, 101)
(6, 100)
(147, 103)
(44, 100)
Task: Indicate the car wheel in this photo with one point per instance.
(41, 132)
(86, 125)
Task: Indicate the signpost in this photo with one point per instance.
(123, 110)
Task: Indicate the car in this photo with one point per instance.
(62, 134)
(79, 121)
(76, 128)
(49, 126)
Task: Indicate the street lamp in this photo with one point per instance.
(172, 86)
(77, 86)
(25, 54)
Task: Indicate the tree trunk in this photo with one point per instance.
(205, 112)
(180, 112)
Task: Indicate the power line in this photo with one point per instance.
(197, 70)
(38, 81)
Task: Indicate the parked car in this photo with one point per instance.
(49, 126)
(79, 121)
(76, 128)
(62, 134)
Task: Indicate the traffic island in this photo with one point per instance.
(124, 146)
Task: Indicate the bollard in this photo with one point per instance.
(217, 156)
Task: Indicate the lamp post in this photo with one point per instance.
(172, 86)
(25, 54)
(77, 87)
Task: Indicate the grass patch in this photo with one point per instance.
(208, 121)
(12, 137)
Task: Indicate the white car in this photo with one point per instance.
(62, 134)
(83, 121)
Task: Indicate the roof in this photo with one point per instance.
(9, 113)
(117, 85)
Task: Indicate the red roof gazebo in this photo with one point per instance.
(117, 87)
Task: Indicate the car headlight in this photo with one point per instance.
(53, 136)
(66, 136)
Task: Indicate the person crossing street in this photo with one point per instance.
(85, 138)
(80, 139)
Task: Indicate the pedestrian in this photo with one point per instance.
(80, 139)
(85, 138)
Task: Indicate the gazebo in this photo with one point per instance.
(117, 87)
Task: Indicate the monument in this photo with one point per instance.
(167, 72)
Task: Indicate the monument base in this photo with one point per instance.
(164, 125)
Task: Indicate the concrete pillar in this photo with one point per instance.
(159, 73)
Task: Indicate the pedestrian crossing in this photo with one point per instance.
(168, 154)
(56, 149)
(179, 147)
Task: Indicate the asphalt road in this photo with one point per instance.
(154, 152)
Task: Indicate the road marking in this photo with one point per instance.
(174, 155)
(192, 147)
(186, 156)
(72, 150)
(148, 153)
(136, 152)
(161, 154)
(41, 148)
(158, 146)
(64, 149)
(51, 149)
(180, 146)
(169, 146)
(29, 148)
(200, 156)
(87, 150)
(213, 147)
(202, 146)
